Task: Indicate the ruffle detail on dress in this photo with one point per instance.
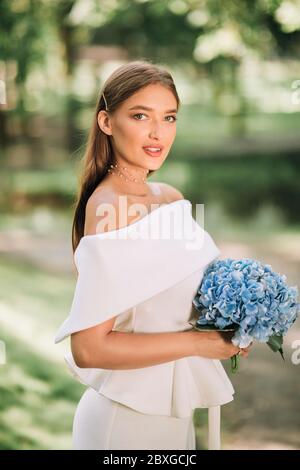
(171, 389)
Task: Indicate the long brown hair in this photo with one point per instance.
(122, 83)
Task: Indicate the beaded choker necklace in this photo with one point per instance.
(119, 173)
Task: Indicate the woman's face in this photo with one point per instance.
(145, 119)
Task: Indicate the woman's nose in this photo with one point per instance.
(155, 130)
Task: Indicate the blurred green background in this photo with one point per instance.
(237, 71)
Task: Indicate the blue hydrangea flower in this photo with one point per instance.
(249, 296)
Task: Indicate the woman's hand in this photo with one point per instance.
(216, 345)
(244, 351)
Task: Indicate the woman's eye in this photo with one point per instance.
(138, 114)
(142, 114)
(174, 117)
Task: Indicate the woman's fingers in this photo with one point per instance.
(244, 351)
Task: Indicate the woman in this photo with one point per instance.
(131, 340)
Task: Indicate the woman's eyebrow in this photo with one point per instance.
(140, 106)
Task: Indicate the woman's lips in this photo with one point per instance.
(152, 152)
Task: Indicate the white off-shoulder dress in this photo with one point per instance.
(147, 273)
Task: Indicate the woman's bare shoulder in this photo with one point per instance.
(105, 201)
(169, 192)
(102, 203)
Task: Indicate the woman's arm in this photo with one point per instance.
(123, 350)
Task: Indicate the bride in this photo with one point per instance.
(131, 342)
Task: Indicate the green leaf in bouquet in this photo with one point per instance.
(235, 363)
(275, 343)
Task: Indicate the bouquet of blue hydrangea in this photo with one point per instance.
(248, 298)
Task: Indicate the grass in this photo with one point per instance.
(38, 395)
